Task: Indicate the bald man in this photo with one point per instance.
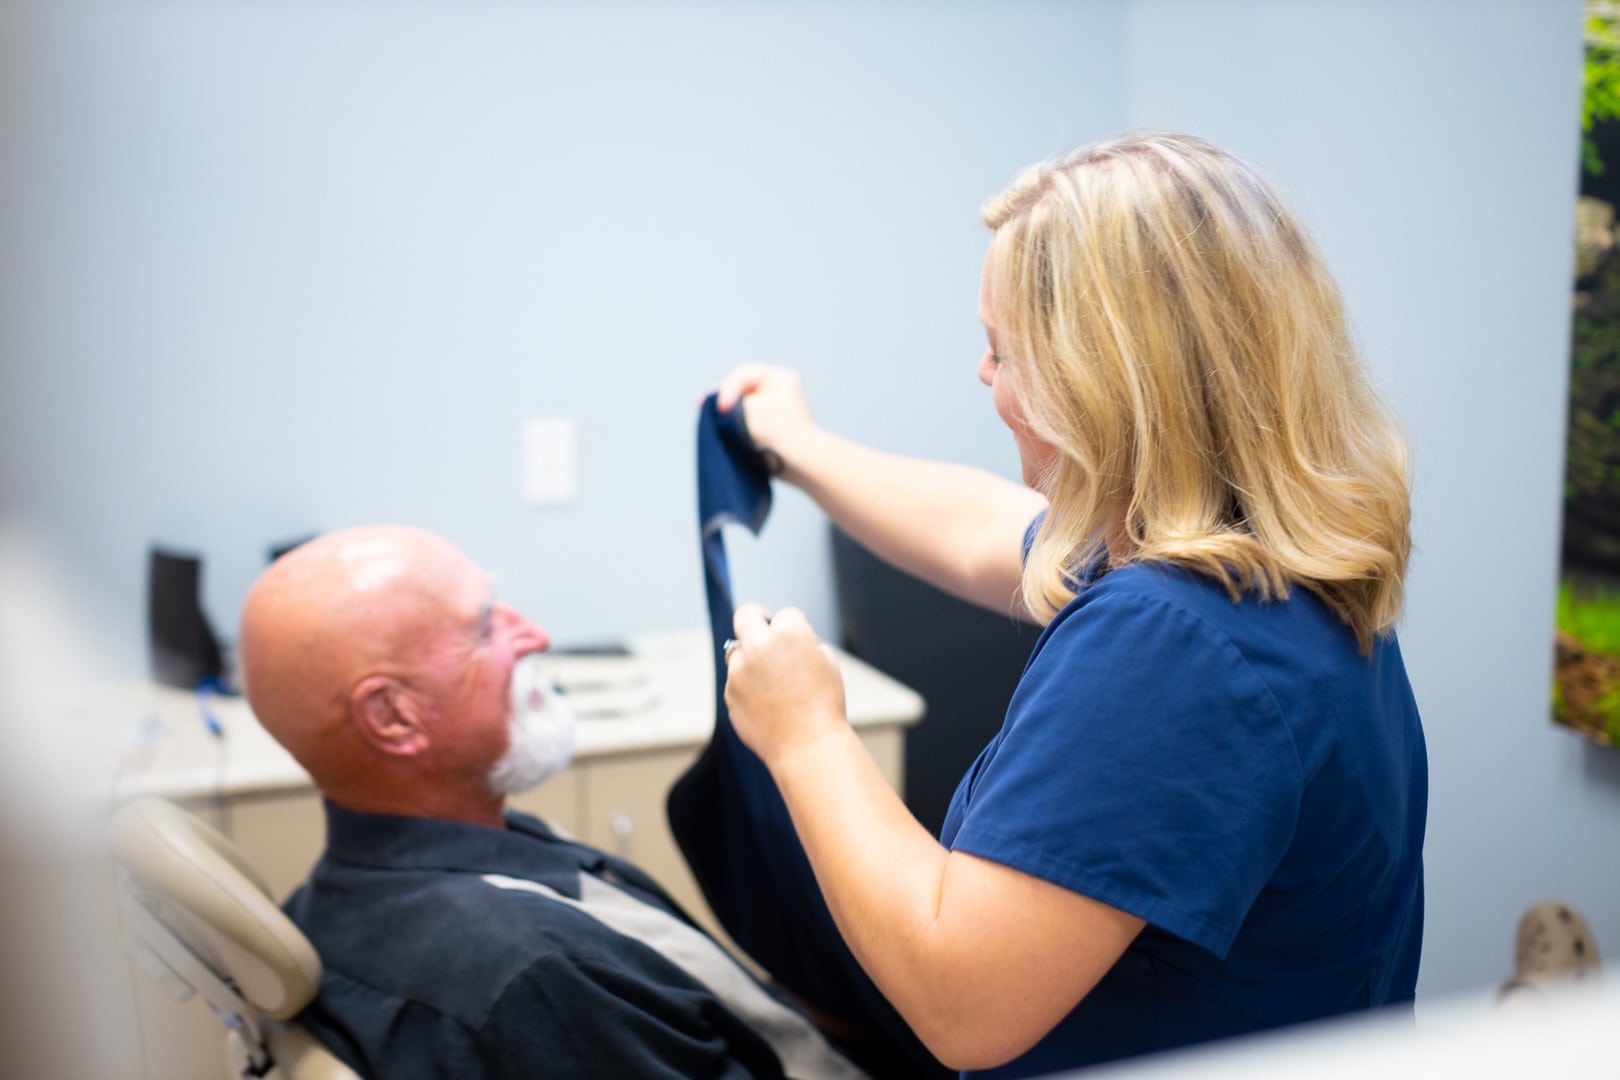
(460, 939)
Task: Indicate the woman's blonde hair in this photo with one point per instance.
(1171, 331)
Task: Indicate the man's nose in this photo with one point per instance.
(526, 636)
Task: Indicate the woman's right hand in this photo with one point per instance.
(777, 415)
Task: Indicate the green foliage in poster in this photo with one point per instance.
(1586, 682)
(1601, 100)
(1592, 618)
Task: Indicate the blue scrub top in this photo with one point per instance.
(1238, 775)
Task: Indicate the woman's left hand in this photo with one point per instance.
(782, 686)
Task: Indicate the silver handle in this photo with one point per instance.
(622, 826)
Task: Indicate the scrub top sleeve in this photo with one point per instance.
(1143, 764)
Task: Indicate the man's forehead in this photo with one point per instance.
(411, 563)
(373, 563)
(470, 594)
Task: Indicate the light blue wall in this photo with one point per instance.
(304, 265)
(285, 268)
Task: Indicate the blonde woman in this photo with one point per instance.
(1204, 812)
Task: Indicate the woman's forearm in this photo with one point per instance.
(956, 527)
(880, 871)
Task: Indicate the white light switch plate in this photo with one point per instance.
(550, 466)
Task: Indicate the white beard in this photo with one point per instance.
(541, 728)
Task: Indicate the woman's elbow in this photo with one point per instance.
(967, 1045)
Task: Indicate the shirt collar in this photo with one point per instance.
(394, 842)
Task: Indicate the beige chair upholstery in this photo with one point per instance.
(200, 920)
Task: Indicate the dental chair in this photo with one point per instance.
(198, 919)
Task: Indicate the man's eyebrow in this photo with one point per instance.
(486, 615)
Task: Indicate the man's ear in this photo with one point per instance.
(388, 716)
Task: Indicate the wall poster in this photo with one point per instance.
(1586, 677)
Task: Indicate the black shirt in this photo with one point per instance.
(455, 950)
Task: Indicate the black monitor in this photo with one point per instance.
(964, 661)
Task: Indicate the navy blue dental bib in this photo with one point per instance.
(728, 817)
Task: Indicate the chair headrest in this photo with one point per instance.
(200, 887)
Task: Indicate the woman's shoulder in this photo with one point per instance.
(1153, 588)
(1163, 630)
(1146, 600)
(1141, 616)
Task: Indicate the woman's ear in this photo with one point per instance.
(388, 716)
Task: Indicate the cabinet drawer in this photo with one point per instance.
(624, 815)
